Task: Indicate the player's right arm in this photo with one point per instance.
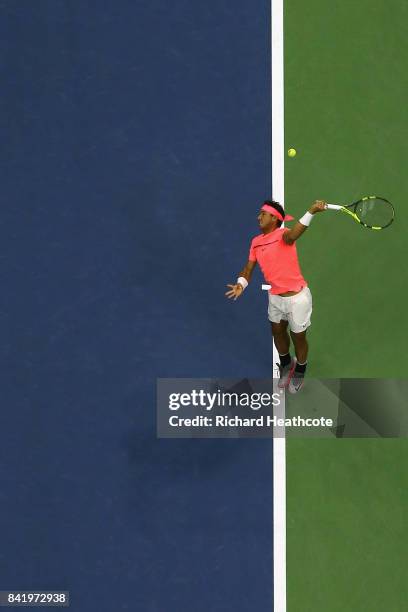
(236, 290)
(291, 235)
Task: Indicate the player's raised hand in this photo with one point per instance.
(235, 291)
(318, 206)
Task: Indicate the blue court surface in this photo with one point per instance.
(136, 149)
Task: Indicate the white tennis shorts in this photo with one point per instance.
(296, 309)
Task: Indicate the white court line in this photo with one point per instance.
(278, 187)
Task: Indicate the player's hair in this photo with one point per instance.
(278, 207)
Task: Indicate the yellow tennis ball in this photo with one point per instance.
(292, 152)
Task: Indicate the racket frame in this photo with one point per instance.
(350, 209)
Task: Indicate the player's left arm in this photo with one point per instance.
(291, 235)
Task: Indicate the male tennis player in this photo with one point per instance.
(290, 300)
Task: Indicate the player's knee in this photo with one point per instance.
(281, 333)
(299, 337)
(279, 329)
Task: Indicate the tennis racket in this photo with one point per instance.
(371, 212)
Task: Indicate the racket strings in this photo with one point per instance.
(375, 212)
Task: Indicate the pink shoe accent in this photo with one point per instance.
(286, 382)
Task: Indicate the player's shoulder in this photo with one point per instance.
(258, 239)
(262, 238)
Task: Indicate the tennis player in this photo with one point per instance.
(290, 299)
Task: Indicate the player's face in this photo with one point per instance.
(266, 221)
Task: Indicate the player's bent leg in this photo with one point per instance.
(301, 350)
(299, 320)
(281, 336)
(301, 346)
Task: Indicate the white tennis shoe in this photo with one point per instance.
(296, 382)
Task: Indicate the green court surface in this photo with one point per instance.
(346, 525)
(346, 112)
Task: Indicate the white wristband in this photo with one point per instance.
(243, 282)
(306, 219)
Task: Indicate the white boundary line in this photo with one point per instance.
(278, 188)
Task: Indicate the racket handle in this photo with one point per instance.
(333, 206)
